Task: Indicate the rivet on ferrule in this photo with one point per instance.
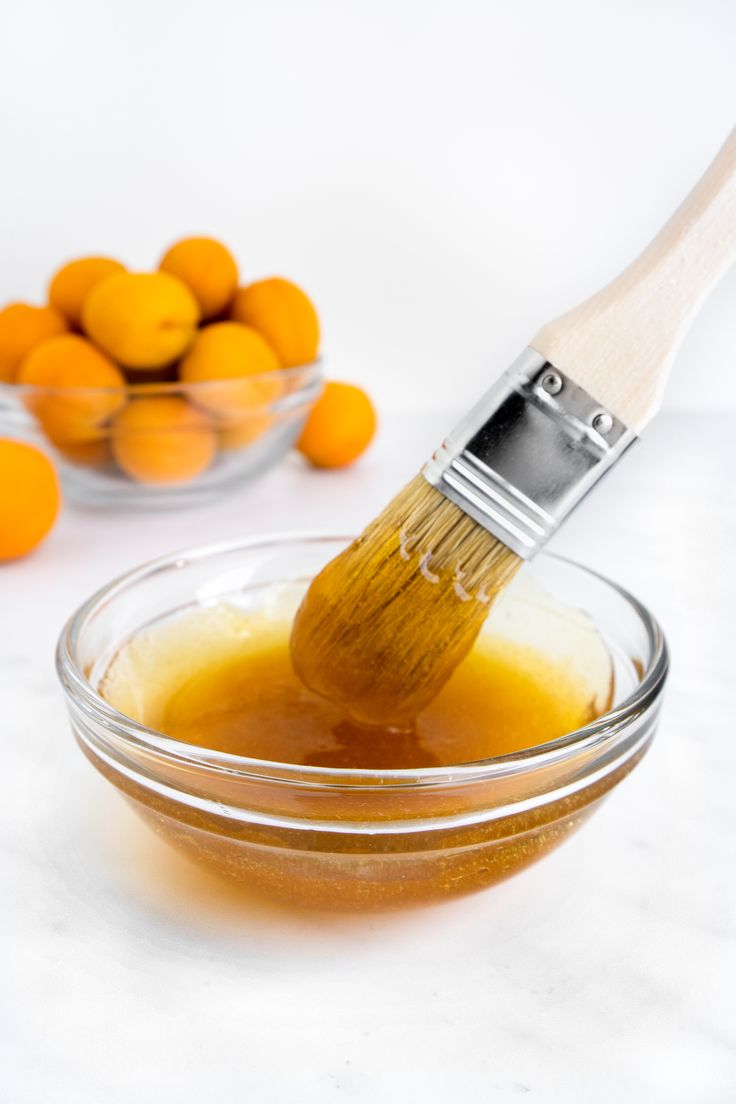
(551, 382)
(603, 422)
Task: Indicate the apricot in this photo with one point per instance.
(73, 388)
(141, 319)
(244, 364)
(85, 454)
(71, 285)
(340, 426)
(207, 268)
(163, 440)
(239, 432)
(284, 315)
(29, 498)
(21, 327)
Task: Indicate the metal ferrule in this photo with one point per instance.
(526, 455)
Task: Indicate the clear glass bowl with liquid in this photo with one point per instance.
(364, 839)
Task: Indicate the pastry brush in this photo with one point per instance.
(383, 626)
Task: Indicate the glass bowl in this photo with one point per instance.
(167, 443)
(364, 839)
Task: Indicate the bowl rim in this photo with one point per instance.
(80, 692)
(311, 372)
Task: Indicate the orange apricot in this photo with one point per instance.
(240, 369)
(29, 498)
(207, 268)
(141, 319)
(73, 389)
(239, 432)
(284, 315)
(163, 440)
(21, 327)
(73, 282)
(339, 428)
(85, 454)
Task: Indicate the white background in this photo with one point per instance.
(442, 177)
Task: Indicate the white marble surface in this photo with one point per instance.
(605, 973)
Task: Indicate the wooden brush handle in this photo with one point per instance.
(620, 344)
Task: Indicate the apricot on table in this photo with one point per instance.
(207, 268)
(73, 282)
(339, 428)
(141, 319)
(242, 375)
(164, 439)
(21, 327)
(29, 498)
(73, 388)
(284, 315)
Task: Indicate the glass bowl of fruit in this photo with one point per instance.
(181, 693)
(160, 387)
(166, 443)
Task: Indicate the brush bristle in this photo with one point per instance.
(384, 625)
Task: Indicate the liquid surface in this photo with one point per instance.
(222, 678)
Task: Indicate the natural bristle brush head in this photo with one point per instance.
(384, 625)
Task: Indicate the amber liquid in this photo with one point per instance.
(222, 679)
(242, 696)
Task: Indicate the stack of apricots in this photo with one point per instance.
(190, 322)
